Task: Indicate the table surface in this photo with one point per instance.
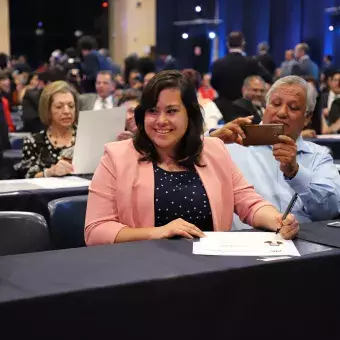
(165, 292)
(85, 268)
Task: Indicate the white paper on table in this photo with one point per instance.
(337, 166)
(244, 244)
(335, 136)
(43, 183)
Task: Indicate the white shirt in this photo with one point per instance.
(103, 104)
(331, 97)
(212, 115)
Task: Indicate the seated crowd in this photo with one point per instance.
(180, 164)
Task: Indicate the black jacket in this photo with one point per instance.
(30, 115)
(229, 73)
(244, 108)
(268, 63)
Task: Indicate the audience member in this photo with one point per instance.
(146, 65)
(4, 61)
(327, 66)
(334, 92)
(130, 64)
(288, 65)
(135, 80)
(30, 102)
(265, 59)
(175, 173)
(120, 82)
(22, 85)
(250, 104)
(229, 73)
(211, 113)
(115, 67)
(103, 98)
(314, 126)
(293, 165)
(49, 153)
(206, 91)
(148, 77)
(93, 62)
(5, 87)
(331, 124)
(73, 77)
(130, 100)
(305, 66)
(6, 168)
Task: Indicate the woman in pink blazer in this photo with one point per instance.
(169, 181)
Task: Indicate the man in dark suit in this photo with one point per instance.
(265, 59)
(229, 73)
(251, 104)
(305, 66)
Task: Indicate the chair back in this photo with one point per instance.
(67, 221)
(22, 232)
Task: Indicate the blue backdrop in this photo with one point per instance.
(282, 23)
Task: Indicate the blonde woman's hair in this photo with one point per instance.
(46, 99)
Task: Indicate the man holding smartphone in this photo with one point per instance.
(292, 165)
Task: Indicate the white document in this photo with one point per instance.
(43, 183)
(95, 129)
(335, 136)
(244, 244)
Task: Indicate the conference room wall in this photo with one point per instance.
(169, 37)
(4, 27)
(282, 23)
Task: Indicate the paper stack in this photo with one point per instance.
(244, 244)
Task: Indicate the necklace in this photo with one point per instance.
(54, 140)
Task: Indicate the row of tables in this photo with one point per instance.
(160, 290)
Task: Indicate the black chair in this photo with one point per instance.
(67, 221)
(22, 232)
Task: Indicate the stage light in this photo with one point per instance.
(212, 35)
(331, 28)
(105, 4)
(185, 35)
(198, 9)
(40, 24)
(78, 33)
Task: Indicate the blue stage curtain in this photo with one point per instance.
(256, 23)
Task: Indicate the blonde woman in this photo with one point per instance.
(49, 152)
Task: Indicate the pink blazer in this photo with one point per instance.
(122, 191)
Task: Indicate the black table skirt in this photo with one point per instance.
(36, 201)
(159, 290)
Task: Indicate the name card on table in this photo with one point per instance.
(244, 244)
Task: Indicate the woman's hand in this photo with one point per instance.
(232, 132)
(288, 227)
(60, 169)
(177, 227)
(308, 133)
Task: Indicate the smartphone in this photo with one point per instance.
(265, 134)
(334, 224)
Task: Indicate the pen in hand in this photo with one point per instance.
(288, 210)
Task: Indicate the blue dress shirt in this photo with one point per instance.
(317, 182)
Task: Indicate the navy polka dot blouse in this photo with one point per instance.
(181, 195)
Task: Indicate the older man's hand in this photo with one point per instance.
(285, 153)
(232, 132)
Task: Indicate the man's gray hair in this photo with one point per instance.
(295, 80)
(247, 81)
(263, 47)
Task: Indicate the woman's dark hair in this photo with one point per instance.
(128, 95)
(87, 43)
(193, 76)
(189, 148)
